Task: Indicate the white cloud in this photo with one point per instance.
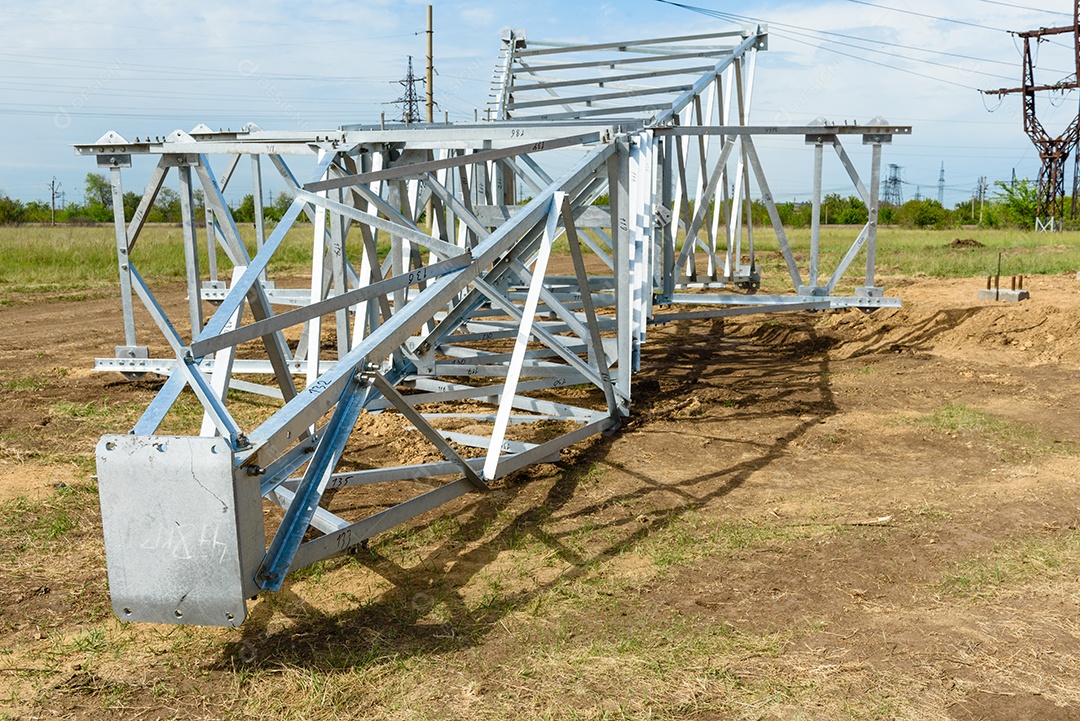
(483, 17)
(147, 69)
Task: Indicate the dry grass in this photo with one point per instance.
(527, 635)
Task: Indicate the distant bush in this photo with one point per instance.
(11, 211)
(245, 212)
(924, 214)
(1015, 204)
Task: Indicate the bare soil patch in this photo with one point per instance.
(830, 515)
(34, 481)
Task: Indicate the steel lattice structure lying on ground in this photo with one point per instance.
(463, 330)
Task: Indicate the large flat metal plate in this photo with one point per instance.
(179, 531)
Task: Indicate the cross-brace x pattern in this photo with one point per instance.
(461, 328)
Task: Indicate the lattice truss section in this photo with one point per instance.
(468, 335)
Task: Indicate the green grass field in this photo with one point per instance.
(84, 257)
(911, 252)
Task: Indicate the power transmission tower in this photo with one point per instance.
(410, 101)
(941, 186)
(1053, 152)
(918, 193)
(893, 192)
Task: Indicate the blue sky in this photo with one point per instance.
(70, 72)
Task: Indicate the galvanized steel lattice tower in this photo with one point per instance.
(462, 330)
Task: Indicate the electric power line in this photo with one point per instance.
(806, 32)
(883, 52)
(884, 65)
(811, 32)
(928, 16)
(1024, 7)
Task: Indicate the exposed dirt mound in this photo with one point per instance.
(944, 318)
(965, 243)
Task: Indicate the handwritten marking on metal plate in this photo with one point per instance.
(185, 542)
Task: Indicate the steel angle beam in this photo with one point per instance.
(593, 216)
(784, 301)
(733, 311)
(345, 300)
(809, 131)
(551, 48)
(416, 169)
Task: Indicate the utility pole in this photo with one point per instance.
(982, 197)
(430, 86)
(1053, 152)
(429, 209)
(54, 190)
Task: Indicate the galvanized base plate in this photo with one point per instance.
(181, 536)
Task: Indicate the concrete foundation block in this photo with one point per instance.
(1006, 295)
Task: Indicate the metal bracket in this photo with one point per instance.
(180, 160)
(136, 356)
(663, 216)
(115, 160)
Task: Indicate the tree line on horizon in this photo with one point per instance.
(1012, 204)
(97, 207)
